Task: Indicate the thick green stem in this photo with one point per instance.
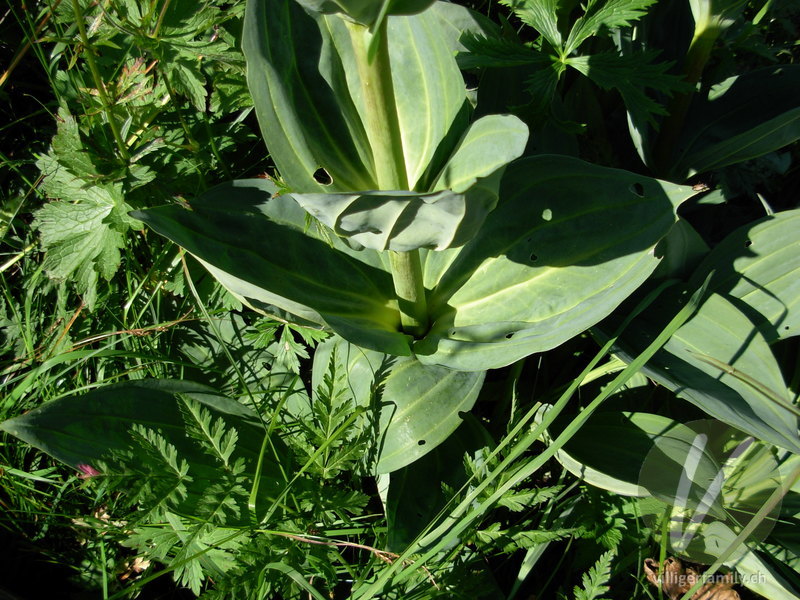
(671, 128)
(383, 131)
(381, 122)
(410, 292)
(98, 82)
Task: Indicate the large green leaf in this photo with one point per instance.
(415, 407)
(367, 12)
(696, 360)
(757, 267)
(463, 194)
(305, 83)
(595, 455)
(416, 494)
(568, 243)
(764, 578)
(82, 430)
(699, 464)
(259, 247)
(733, 123)
(400, 221)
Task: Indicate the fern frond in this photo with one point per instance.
(213, 438)
(595, 581)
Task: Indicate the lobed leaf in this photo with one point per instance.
(609, 14)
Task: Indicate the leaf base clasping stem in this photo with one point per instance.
(383, 131)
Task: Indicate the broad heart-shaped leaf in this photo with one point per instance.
(465, 191)
(415, 407)
(757, 267)
(689, 364)
(85, 429)
(308, 95)
(367, 12)
(568, 242)
(733, 123)
(260, 248)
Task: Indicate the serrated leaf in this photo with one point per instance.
(631, 74)
(604, 14)
(187, 79)
(525, 499)
(515, 538)
(69, 149)
(542, 15)
(595, 581)
(83, 238)
(481, 51)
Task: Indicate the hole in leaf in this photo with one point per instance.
(509, 335)
(638, 189)
(322, 177)
(453, 333)
(421, 443)
(462, 414)
(748, 243)
(534, 258)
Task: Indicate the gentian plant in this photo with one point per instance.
(402, 223)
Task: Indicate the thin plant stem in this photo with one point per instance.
(98, 82)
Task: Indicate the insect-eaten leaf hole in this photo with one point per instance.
(638, 189)
(509, 335)
(322, 177)
(534, 258)
(421, 443)
(748, 243)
